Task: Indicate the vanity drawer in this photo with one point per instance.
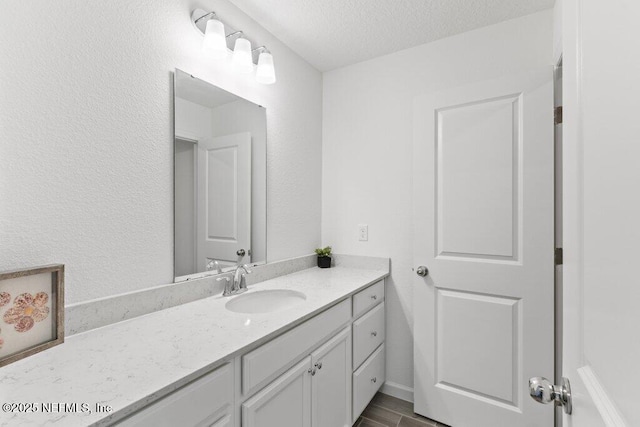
(205, 401)
(368, 334)
(367, 298)
(266, 362)
(367, 380)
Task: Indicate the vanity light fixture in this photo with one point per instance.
(242, 59)
(265, 73)
(215, 46)
(215, 41)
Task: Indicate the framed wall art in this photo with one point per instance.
(31, 311)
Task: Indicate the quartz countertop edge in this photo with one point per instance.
(127, 365)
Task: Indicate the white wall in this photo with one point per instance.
(367, 137)
(86, 138)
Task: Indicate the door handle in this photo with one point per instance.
(241, 252)
(541, 390)
(422, 271)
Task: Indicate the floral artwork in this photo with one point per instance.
(4, 298)
(27, 309)
(31, 311)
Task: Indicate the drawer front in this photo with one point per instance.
(266, 362)
(367, 380)
(203, 402)
(368, 334)
(367, 298)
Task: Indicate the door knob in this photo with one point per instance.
(543, 391)
(241, 252)
(422, 271)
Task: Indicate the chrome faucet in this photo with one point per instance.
(237, 284)
(214, 265)
(239, 279)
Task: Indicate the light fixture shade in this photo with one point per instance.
(242, 59)
(266, 73)
(215, 41)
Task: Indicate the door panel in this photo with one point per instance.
(224, 197)
(483, 223)
(286, 402)
(477, 182)
(331, 384)
(477, 330)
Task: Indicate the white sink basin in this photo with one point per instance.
(267, 301)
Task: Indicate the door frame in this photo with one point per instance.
(558, 227)
(186, 137)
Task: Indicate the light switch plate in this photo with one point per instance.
(363, 232)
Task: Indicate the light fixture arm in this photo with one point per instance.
(235, 33)
(212, 14)
(262, 48)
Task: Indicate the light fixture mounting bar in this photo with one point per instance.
(199, 18)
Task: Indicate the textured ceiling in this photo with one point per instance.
(333, 33)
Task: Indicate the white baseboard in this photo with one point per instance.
(608, 410)
(397, 390)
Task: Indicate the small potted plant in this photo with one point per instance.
(324, 257)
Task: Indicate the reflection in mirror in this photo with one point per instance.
(219, 179)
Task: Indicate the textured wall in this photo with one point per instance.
(367, 149)
(86, 110)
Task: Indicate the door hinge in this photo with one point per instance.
(557, 115)
(558, 256)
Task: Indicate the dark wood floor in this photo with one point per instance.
(387, 411)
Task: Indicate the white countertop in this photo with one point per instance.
(129, 364)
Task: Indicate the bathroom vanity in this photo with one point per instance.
(322, 372)
(315, 362)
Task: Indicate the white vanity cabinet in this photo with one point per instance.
(314, 393)
(368, 346)
(205, 402)
(286, 402)
(321, 373)
(331, 382)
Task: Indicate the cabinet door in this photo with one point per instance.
(286, 402)
(331, 382)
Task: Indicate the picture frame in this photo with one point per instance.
(31, 311)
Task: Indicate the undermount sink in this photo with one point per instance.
(267, 301)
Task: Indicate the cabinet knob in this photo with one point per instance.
(318, 365)
(374, 297)
(312, 371)
(374, 379)
(374, 334)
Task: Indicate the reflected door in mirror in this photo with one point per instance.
(224, 199)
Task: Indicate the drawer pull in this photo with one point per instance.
(318, 365)
(374, 334)
(374, 379)
(374, 297)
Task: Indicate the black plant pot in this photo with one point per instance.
(324, 261)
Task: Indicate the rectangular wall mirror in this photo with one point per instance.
(220, 190)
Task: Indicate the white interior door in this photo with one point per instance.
(483, 225)
(601, 207)
(224, 199)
